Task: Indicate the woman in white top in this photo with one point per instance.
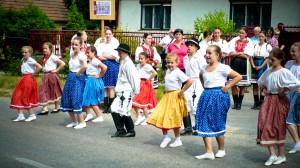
(293, 119)
(259, 65)
(221, 43)
(94, 87)
(240, 51)
(71, 100)
(271, 129)
(50, 90)
(204, 38)
(109, 56)
(151, 50)
(25, 95)
(214, 102)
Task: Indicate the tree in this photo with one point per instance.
(75, 18)
(213, 20)
(17, 23)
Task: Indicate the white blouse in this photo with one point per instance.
(93, 68)
(105, 48)
(192, 67)
(216, 78)
(174, 79)
(28, 66)
(275, 81)
(76, 64)
(223, 44)
(145, 71)
(139, 49)
(249, 49)
(203, 46)
(295, 69)
(262, 50)
(51, 63)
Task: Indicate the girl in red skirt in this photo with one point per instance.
(271, 130)
(146, 99)
(25, 95)
(50, 89)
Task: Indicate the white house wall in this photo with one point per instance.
(192, 9)
(130, 14)
(286, 11)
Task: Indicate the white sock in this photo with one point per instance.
(32, 115)
(177, 139)
(297, 144)
(166, 136)
(21, 115)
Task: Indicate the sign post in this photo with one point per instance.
(102, 10)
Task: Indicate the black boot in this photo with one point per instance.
(110, 101)
(239, 104)
(187, 126)
(256, 102)
(260, 102)
(235, 101)
(129, 126)
(119, 125)
(105, 106)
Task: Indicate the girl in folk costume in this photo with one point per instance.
(71, 100)
(172, 108)
(25, 95)
(293, 119)
(240, 51)
(94, 88)
(193, 63)
(84, 37)
(214, 102)
(50, 90)
(128, 84)
(146, 99)
(259, 65)
(221, 43)
(204, 39)
(109, 56)
(271, 129)
(152, 52)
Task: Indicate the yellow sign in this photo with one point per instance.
(102, 10)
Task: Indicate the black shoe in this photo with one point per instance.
(234, 106)
(119, 133)
(186, 131)
(55, 111)
(254, 106)
(238, 106)
(43, 113)
(129, 134)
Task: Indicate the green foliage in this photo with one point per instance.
(17, 23)
(212, 20)
(75, 18)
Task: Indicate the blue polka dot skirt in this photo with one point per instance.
(111, 76)
(93, 91)
(211, 113)
(294, 112)
(71, 100)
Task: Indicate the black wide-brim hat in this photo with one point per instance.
(193, 40)
(124, 47)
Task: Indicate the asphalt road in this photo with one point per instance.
(47, 143)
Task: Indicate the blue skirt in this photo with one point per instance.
(93, 91)
(294, 113)
(71, 100)
(211, 113)
(256, 74)
(111, 76)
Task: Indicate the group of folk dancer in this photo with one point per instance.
(194, 83)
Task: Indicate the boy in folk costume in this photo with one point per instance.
(128, 84)
(193, 63)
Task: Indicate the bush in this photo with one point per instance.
(75, 18)
(213, 20)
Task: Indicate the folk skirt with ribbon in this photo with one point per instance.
(25, 95)
(50, 89)
(211, 114)
(169, 112)
(256, 74)
(146, 98)
(111, 76)
(93, 91)
(293, 117)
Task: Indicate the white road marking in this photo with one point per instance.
(32, 163)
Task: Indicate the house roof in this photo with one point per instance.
(54, 9)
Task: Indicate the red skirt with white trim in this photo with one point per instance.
(146, 98)
(271, 129)
(25, 95)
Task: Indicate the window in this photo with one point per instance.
(251, 13)
(156, 15)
